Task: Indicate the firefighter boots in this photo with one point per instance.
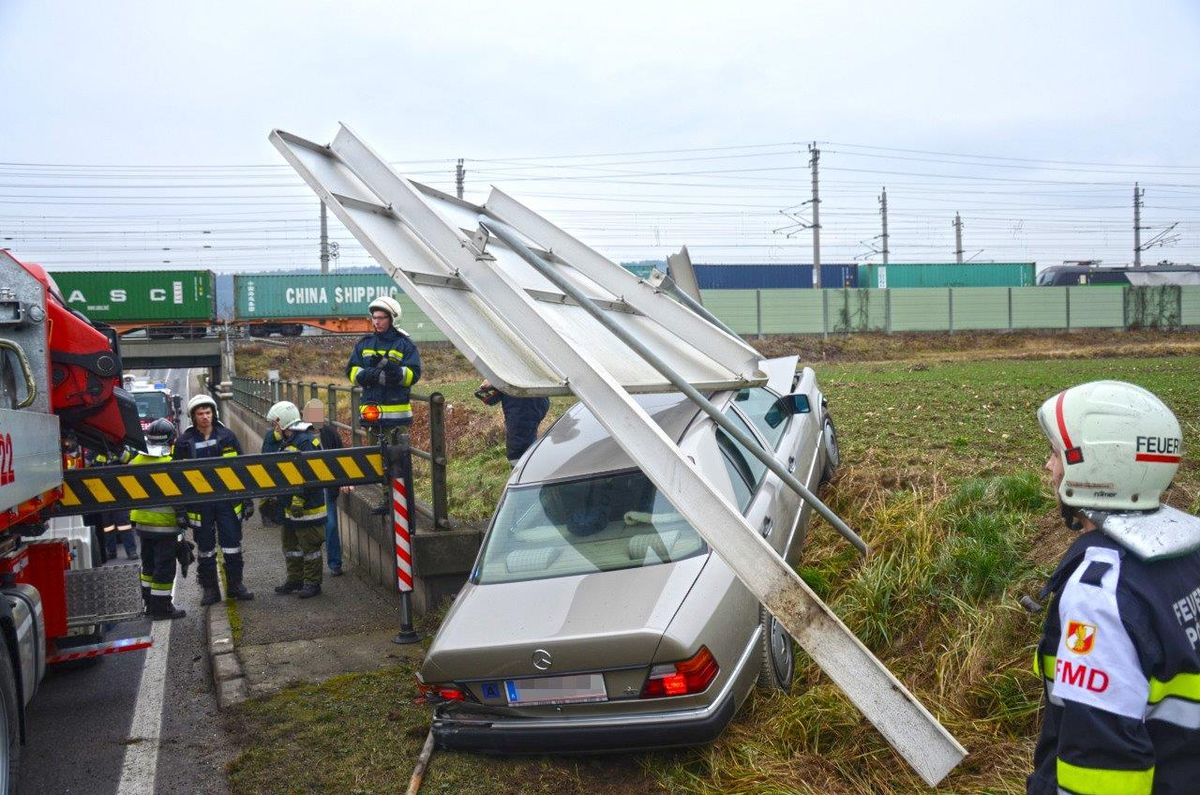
(239, 591)
(288, 587)
(309, 590)
(212, 595)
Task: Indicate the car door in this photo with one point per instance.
(775, 430)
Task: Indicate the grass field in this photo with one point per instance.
(942, 477)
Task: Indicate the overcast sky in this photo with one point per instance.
(130, 127)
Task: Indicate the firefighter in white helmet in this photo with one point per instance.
(386, 364)
(207, 437)
(303, 512)
(1120, 652)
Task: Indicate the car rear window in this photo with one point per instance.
(603, 523)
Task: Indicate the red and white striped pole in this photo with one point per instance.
(402, 526)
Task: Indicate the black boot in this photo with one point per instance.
(239, 591)
(288, 587)
(212, 595)
(309, 590)
(161, 609)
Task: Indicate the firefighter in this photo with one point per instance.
(117, 525)
(304, 513)
(385, 364)
(209, 438)
(159, 529)
(522, 417)
(1120, 653)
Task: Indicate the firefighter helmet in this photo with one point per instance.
(1119, 445)
(285, 412)
(159, 437)
(201, 400)
(390, 305)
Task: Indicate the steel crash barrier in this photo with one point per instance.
(219, 479)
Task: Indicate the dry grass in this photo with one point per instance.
(941, 476)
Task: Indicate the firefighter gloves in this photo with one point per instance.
(296, 507)
(184, 555)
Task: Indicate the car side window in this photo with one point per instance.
(745, 471)
(762, 407)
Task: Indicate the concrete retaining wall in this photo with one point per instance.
(441, 560)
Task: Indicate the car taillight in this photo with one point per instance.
(693, 675)
(438, 694)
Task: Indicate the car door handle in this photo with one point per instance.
(791, 464)
(767, 524)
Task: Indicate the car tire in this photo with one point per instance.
(778, 655)
(833, 453)
(10, 725)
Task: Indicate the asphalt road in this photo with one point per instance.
(137, 722)
(82, 720)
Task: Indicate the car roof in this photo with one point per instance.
(578, 445)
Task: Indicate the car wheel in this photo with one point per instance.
(778, 654)
(10, 729)
(833, 454)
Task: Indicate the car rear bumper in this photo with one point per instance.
(469, 731)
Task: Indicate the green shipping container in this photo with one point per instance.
(308, 295)
(140, 296)
(947, 274)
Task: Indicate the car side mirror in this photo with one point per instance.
(785, 407)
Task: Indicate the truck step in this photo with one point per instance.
(105, 594)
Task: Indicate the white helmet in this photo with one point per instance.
(389, 305)
(201, 400)
(1120, 445)
(286, 412)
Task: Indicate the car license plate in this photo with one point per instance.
(573, 689)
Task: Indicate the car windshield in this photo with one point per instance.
(151, 405)
(604, 523)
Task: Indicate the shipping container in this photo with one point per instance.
(268, 296)
(123, 298)
(736, 276)
(946, 274)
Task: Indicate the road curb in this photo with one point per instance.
(228, 677)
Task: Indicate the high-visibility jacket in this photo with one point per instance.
(221, 443)
(377, 350)
(1120, 665)
(311, 501)
(153, 519)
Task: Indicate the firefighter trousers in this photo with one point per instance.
(158, 569)
(218, 522)
(302, 551)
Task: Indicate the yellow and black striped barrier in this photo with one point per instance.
(107, 488)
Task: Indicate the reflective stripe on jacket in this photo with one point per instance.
(153, 519)
(1120, 665)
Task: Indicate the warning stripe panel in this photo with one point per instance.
(216, 479)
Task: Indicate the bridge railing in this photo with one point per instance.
(258, 395)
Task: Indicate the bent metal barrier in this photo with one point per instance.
(536, 312)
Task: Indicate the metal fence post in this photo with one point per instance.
(331, 406)
(355, 418)
(758, 312)
(1067, 300)
(825, 314)
(1010, 318)
(887, 311)
(950, 297)
(437, 458)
